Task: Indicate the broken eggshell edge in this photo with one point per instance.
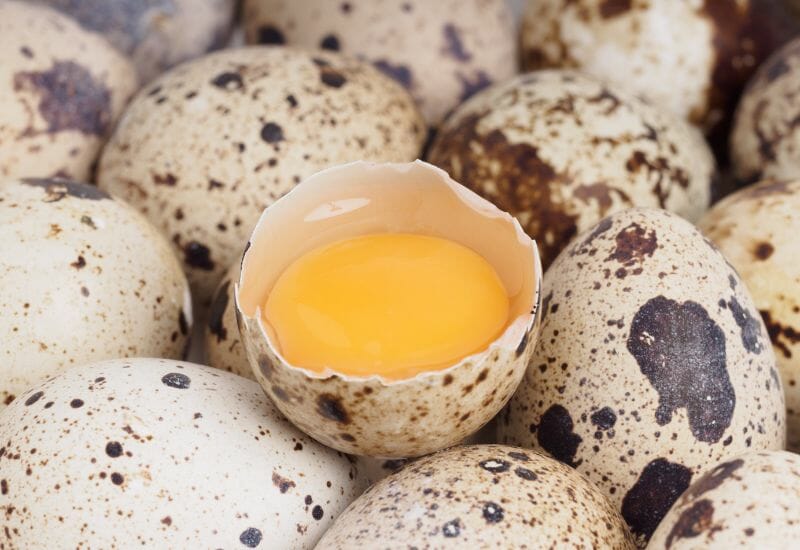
(373, 416)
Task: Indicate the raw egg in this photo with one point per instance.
(386, 309)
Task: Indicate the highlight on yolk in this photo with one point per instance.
(391, 304)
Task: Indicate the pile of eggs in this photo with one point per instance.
(629, 169)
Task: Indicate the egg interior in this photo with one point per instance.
(396, 201)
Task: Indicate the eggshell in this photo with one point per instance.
(482, 496)
(223, 344)
(560, 150)
(162, 454)
(156, 34)
(757, 230)
(61, 91)
(764, 142)
(371, 415)
(692, 58)
(204, 149)
(747, 502)
(652, 365)
(442, 51)
(83, 277)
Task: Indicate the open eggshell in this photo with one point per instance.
(373, 416)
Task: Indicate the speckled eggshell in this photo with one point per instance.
(765, 142)
(482, 496)
(652, 364)
(442, 52)
(750, 501)
(162, 454)
(560, 150)
(693, 58)
(156, 34)
(757, 230)
(83, 277)
(205, 148)
(61, 90)
(224, 347)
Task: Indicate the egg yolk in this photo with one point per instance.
(388, 304)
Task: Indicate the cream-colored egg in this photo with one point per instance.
(750, 501)
(83, 277)
(442, 52)
(481, 496)
(373, 415)
(162, 454)
(560, 150)
(757, 230)
(61, 91)
(156, 34)
(765, 142)
(224, 347)
(652, 365)
(692, 58)
(206, 147)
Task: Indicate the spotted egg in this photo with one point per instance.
(155, 34)
(692, 58)
(757, 229)
(62, 89)
(652, 364)
(163, 454)
(481, 496)
(560, 150)
(442, 52)
(764, 142)
(750, 501)
(223, 343)
(205, 148)
(83, 277)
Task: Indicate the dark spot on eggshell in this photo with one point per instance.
(453, 45)
(113, 449)
(167, 179)
(495, 465)
(331, 77)
(330, 42)
(317, 512)
(80, 263)
(229, 81)
(681, 351)
(400, 73)
(525, 474)
(583, 248)
(452, 528)
(267, 34)
(330, 407)
(117, 478)
(604, 419)
(176, 380)
(633, 244)
(763, 251)
(198, 255)
(76, 403)
(749, 326)
(614, 8)
(217, 312)
(712, 479)
(658, 487)
(447, 380)
(554, 434)
(271, 133)
(492, 512)
(692, 522)
(56, 189)
(3, 487)
(472, 84)
(33, 398)
(251, 537)
(661, 172)
(283, 484)
(70, 99)
(782, 336)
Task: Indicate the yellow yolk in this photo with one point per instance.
(388, 304)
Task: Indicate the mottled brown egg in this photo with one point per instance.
(692, 58)
(83, 277)
(205, 148)
(757, 230)
(162, 454)
(481, 496)
(652, 364)
(750, 501)
(61, 90)
(155, 34)
(223, 344)
(442, 52)
(560, 150)
(765, 142)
